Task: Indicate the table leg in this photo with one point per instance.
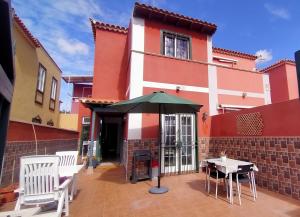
(230, 188)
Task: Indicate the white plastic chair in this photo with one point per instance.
(39, 184)
(68, 168)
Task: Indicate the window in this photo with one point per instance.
(175, 45)
(53, 88)
(41, 78)
(53, 94)
(40, 87)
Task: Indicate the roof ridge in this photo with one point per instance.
(236, 53)
(278, 63)
(176, 14)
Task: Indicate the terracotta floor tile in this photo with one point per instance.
(107, 194)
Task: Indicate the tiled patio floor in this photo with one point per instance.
(106, 194)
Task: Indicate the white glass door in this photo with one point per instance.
(178, 143)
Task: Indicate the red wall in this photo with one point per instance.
(175, 71)
(153, 43)
(291, 74)
(80, 90)
(280, 119)
(279, 84)
(83, 112)
(110, 65)
(150, 121)
(20, 131)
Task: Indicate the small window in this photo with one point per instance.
(53, 89)
(175, 45)
(41, 78)
(40, 87)
(53, 94)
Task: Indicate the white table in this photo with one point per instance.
(228, 167)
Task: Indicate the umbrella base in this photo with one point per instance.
(157, 190)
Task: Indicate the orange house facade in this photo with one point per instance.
(164, 51)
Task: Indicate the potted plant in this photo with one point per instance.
(223, 156)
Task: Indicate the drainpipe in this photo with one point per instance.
(297, 59)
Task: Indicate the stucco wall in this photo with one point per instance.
(68, 121)
(27, 62)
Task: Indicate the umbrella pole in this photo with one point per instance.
(159, 189)
(159, 146)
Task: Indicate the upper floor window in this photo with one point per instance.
(41, 78)
(53, 89)
(53, 94)
(40, 87)
(175, 45)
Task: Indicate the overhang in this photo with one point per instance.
(161, 15)
(74, 79)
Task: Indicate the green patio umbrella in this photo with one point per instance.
(159, 103)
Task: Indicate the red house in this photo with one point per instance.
(161, 50)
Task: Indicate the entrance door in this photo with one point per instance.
(110, 142)
(178, 143)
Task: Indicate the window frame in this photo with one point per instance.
(38, 91)
(176, 35)
(51, 100)
(55, 96)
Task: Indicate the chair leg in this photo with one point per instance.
(18, 204)
(66, 202)
(238, 185)
(253, 184)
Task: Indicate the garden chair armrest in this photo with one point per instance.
(65, 184)
(19, 190)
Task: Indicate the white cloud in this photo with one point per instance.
(278, 11)
(72, 46)
(264, 56)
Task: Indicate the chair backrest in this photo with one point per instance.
(39, 179)
(245, 168)
(67, 158)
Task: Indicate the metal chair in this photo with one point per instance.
(212, 172)
(245, 174)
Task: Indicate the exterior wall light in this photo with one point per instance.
(244, 95)
(178, 88)
(204, 116)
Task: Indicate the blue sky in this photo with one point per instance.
(265, 27)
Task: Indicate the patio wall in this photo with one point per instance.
(21, 142)
(275, 149)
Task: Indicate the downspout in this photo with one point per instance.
(297, 59)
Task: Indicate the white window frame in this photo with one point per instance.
(53, 89)
(41, 78)
(176, 36)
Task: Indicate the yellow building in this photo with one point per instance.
(38, 79)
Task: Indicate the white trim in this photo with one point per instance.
(136, 75)
(267, 89)
(169, 86)
(209, 49)
(240, 93)
(224, 59)
(234, 106)
(213, 90)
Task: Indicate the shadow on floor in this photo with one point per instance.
(112, 174)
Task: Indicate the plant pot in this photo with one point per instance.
(8, 197)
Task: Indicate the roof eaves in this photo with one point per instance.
(106, 26)
(234, 53)
(211, 26)
(277, 64)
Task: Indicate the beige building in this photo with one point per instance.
(38, 80)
